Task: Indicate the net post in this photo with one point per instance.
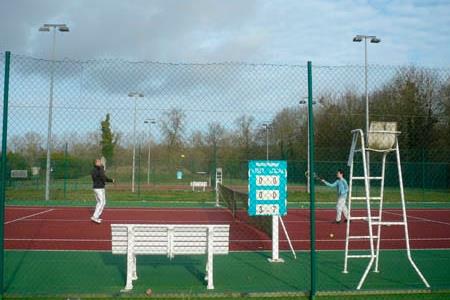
(3, 170)
(312, 195)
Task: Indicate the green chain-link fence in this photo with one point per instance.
(182, 121)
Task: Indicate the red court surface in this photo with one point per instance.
(69, 228)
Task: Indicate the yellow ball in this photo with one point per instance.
(149, 292)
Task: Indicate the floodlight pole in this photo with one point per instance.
(266, 126)
(150, 122)
(375, 40)
(134, 95)
(46, 28)
(367, 106)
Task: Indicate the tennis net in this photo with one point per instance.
(237, 202)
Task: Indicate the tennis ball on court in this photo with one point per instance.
(331, 235)
(182, 155)
(148, 292)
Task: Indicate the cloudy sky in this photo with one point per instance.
(279, 32)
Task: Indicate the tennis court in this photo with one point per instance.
(235, 134)
(69, 228)
(74, 256)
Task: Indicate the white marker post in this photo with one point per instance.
(275, 241)
(219, 177)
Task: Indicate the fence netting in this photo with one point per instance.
(165, 129)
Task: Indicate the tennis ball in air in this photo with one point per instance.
(182, 155)
(148, 292)
(331, 235)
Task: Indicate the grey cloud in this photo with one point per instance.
(253, 31)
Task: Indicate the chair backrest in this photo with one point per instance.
(382, 135)
(155, 239)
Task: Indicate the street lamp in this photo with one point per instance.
(304, 101)
(374, 40)
(48, 28)
(149, 122)
(267, 126)
(135, 96)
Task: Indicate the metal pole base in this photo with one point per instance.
(279, 260)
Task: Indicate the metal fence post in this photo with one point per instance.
(312, 195)
(3, 170)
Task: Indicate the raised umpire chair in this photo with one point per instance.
(383, 139)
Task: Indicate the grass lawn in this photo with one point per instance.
(183, 196)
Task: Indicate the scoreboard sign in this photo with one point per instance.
(267, 187)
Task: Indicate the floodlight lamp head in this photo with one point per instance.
(375, 40)
(358, 38)
(135, 94)
(63, 28)
(44, 29)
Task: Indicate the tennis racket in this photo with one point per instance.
(315, 176)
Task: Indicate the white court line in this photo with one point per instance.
(418, 218)
(56, 240)
(146, 221)
(23, 207)
(341, 240)
(234, 241)
(215, 210)
(149, 221)
(29, 216)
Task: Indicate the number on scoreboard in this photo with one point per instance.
(267, 195)
(267, 209)
(267, 180)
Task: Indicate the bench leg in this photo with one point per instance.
(209, 264)
(206, 270)
(134, 277)
(130, 273)
(131, 262)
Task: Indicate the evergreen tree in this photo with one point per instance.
(109, 139)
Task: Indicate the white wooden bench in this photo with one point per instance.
(199, 184)
(170, 240)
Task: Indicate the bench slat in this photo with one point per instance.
(152, 239)
(164, 227)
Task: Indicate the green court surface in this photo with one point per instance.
(99, 274)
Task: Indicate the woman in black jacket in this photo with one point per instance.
(99, 180)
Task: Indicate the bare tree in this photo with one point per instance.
(244, 136)
(172, 129)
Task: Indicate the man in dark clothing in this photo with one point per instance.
(99, 179)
